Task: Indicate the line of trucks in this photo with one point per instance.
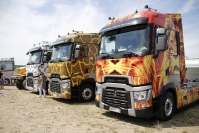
(134, 66)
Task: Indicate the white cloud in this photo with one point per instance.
(22, 25)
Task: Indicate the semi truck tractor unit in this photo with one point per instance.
(20, 77)
(72, 66)
(38, 62)
(7, 66)
(140, 69)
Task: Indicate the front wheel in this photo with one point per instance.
(6, 82)
(86, 93)
(167, 105)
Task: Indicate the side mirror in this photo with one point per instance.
(161, 40)
(161, 43)
(45, 59)
(77, 51)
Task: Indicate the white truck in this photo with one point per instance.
(7, 66)
(38, 61)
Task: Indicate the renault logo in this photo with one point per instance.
(115, 93)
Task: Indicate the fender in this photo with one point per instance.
(89, 80)
(169, 86)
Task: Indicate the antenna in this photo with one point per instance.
(136, 11)
(77, 31)
(149, 8)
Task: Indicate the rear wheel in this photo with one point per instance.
(86, 93)
(6, 82)
(167, 105)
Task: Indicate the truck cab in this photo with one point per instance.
(140, 69)
(37, 62)
(72, 66)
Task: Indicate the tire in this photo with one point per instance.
(86, 93)
(167, 106)
(19, 85)
(6, 82)
(24, 84)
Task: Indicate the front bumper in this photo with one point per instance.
(142, 109)
(17, 78)
(57, 90)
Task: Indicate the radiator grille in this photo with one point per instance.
(55, 87)
(30, 82)
(117, 97)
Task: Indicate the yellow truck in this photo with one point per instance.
(19, 77)
(72, 66)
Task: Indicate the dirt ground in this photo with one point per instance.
(21, 111)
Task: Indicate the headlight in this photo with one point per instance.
(36, 81)
(66, 85)
(141, 95)
(97, 96)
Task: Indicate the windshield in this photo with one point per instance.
(61, 52)
(132, 39)
(6, 65)
(34, 57)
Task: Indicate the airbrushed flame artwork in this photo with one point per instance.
(140, 69)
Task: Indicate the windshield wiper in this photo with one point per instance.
(129, 54)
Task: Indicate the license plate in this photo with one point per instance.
(115, 109)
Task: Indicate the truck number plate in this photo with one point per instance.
(115, 109)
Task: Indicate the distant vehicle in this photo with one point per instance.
(192, 69)
(7, 66)
(38, 61)
(20, 77)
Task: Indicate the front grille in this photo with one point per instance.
(55, 87)
(30, 82)
(122, 80)
(30, 74)
(116, 97)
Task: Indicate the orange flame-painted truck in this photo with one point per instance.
(140, 68)
(72, 66)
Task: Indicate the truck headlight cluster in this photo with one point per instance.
(65, 85)
(142, 95)
(97, 96)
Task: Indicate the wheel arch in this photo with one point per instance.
(90, 81)
(171, 87)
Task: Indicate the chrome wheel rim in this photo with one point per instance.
(5, 82)
(168, 107)
(87, 93)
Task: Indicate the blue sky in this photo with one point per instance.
(27, 22)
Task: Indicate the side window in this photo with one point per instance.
(178, 42)
(2, 66)
(173, 43)
(84, 51)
